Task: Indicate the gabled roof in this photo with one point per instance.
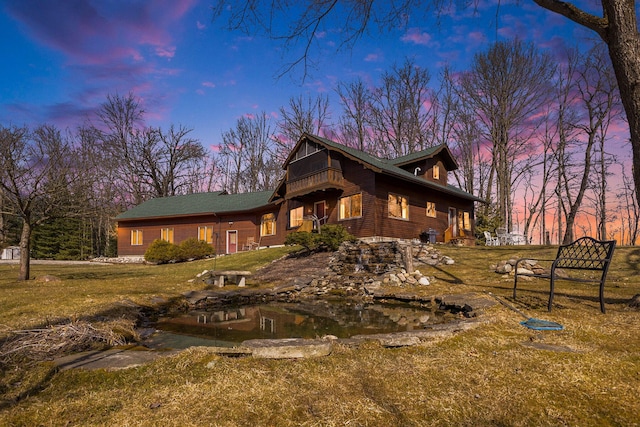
(389, 167)
(442, 150)
(197, 204)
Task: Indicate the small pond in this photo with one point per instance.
(229, 326)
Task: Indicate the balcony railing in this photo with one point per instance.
(319, 180)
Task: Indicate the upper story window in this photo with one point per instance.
(350, 206)
(307, 148)
(398, 206)
(436, 172)
(166, 234)
(268, 225)
(136, 237)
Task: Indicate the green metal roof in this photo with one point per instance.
(197, 204)
(388, 166)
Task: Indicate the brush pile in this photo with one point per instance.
(55, 340)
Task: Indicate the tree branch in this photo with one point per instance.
(577, 15)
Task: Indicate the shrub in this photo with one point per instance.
(196, 249)
(329, 239)
(161, 252)
(303, 238)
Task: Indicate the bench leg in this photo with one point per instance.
(220, 281)
(241, 281)
(551, 286)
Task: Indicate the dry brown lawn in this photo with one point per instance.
(498, 374)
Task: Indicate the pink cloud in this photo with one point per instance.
(416, 36)
(373, 57)
(209, 84)
(166, 52)
(99, 32)
(111, 47)
(200, 25)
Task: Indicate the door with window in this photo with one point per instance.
(453, 222)
(320, 211)
(232, 241)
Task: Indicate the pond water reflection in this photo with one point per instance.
(230, 326)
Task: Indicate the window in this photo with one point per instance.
(205, 234)
(268, 225)
(166, 234)
(464, 220)
(436, 172)
(350, 206)
(295, 216)
(136, 237)
(398, 206)
(431, 209)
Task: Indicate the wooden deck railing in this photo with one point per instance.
(326, 178)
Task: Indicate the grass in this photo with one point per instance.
(492, 375)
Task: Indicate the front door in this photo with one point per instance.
(320, 211)
(453, 222)
(232, 241)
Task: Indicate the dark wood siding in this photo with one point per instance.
(418, 220)
(247, 226)
(358, 179)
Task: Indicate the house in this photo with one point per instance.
(323, 180)
(10, 252)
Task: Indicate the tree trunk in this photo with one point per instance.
(25, 251)
(623, 41)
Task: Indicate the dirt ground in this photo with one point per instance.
(303, 267)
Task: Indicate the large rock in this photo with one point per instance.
(289, 348)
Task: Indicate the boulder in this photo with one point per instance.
(289, 348)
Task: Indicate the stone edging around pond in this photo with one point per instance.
(121, 358)
(471, 305)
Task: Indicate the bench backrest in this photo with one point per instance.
(586, 253)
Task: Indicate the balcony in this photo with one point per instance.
(319, 180)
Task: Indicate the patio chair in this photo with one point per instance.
(503, 236)
(490, 240)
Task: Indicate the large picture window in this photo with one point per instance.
(268, 225)
(295, 216)
(136, 237)
(205, 233)
(166, 234)
(398, 206)
(350, 206)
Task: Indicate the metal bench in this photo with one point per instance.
(586, 254)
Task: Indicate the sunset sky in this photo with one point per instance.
(62, 58)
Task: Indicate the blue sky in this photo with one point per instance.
(62, 58)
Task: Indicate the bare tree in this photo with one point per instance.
(303, 115)
(355, 130)
(617, 26)
(596, 94)
(248, 155)
(398, 115)
(630, 211)
(148, 162)
(36, 173)
(506, 86)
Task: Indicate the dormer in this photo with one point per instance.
(432, 164)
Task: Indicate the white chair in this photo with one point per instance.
(491, 241)
(503, 236)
